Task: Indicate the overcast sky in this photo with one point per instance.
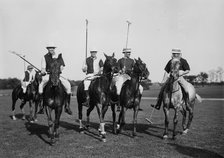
(195, 26)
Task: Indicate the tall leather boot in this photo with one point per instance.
(67, 104)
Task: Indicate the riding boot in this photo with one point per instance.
(41, 110)
(159, 102)
(67, 105)
(87, 99)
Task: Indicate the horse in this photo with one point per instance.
(31, 96)
(54, 97)
(130, 96)
(174, 97)
(99, 95)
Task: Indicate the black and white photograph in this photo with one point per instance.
(111, 78)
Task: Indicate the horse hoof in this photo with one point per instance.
(31, 121)
(185, 132)
(23, 118)
(13, 118)
(104, 140)
(165, 136)
(35, 120)
(81, 130)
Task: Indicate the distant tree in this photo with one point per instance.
(146, 83)
(203, 78)
(220, 73)
(9, 83)
(191, 78)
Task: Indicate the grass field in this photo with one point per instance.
(205, 139)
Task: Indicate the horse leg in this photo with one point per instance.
(13, 107)
(31, 112)
(134, 122)
(89, 110)
(58, 112)
(50, 124)
(81, 129)
(190, 117)
(166, 112)
(102, 123)
(184, 113)
(37, 102)
(22, 109)
(114, 117)
(175, 121)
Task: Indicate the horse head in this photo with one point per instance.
(110, 64)
(174, 68)
(55, 71)
(140, 68)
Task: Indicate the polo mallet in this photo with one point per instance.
(149, 119)
(127, 33)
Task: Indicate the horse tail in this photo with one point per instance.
(198, 98)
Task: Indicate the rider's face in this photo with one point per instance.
(93, 54)
(51, 50)
(176, 55)
(127, 54)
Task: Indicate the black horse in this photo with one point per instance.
(54, 97)
(99, 94)
(31, 95)
(130, 96)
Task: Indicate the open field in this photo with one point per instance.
(206, 138)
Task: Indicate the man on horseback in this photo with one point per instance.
(125, 67)
(29, 77)
(183, 70)
(45, 69)
(92, 67)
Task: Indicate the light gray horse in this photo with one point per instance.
(174, 97)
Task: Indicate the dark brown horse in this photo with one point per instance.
(54, 97)
(99, 95)
(130, 96)
(175, 98)
(30, 96)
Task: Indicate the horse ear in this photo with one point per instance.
(135, 60)
(105, 55)
(139, 59)
(113, 55)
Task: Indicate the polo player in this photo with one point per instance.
(29, 77)
(45, 70)
(183, 70)
(125, 67)
(92, 67)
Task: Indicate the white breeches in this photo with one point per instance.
(88, 79)
(24, 85)
(120, 79)
(45, 79)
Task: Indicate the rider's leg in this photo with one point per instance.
(160, 97)
(67, 86)
(86, 87)
(141, 91)
(184, 84)
(40, 89)
(118, 83)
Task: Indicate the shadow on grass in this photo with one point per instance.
(195, 152)
(38, 130)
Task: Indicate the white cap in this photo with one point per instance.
(51, 45)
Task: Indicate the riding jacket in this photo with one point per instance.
(126, 65)
(93, 65)
(183, 65)
(49, 60)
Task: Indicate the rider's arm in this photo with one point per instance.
(165, 77)
(43, 66)
(84, 67)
